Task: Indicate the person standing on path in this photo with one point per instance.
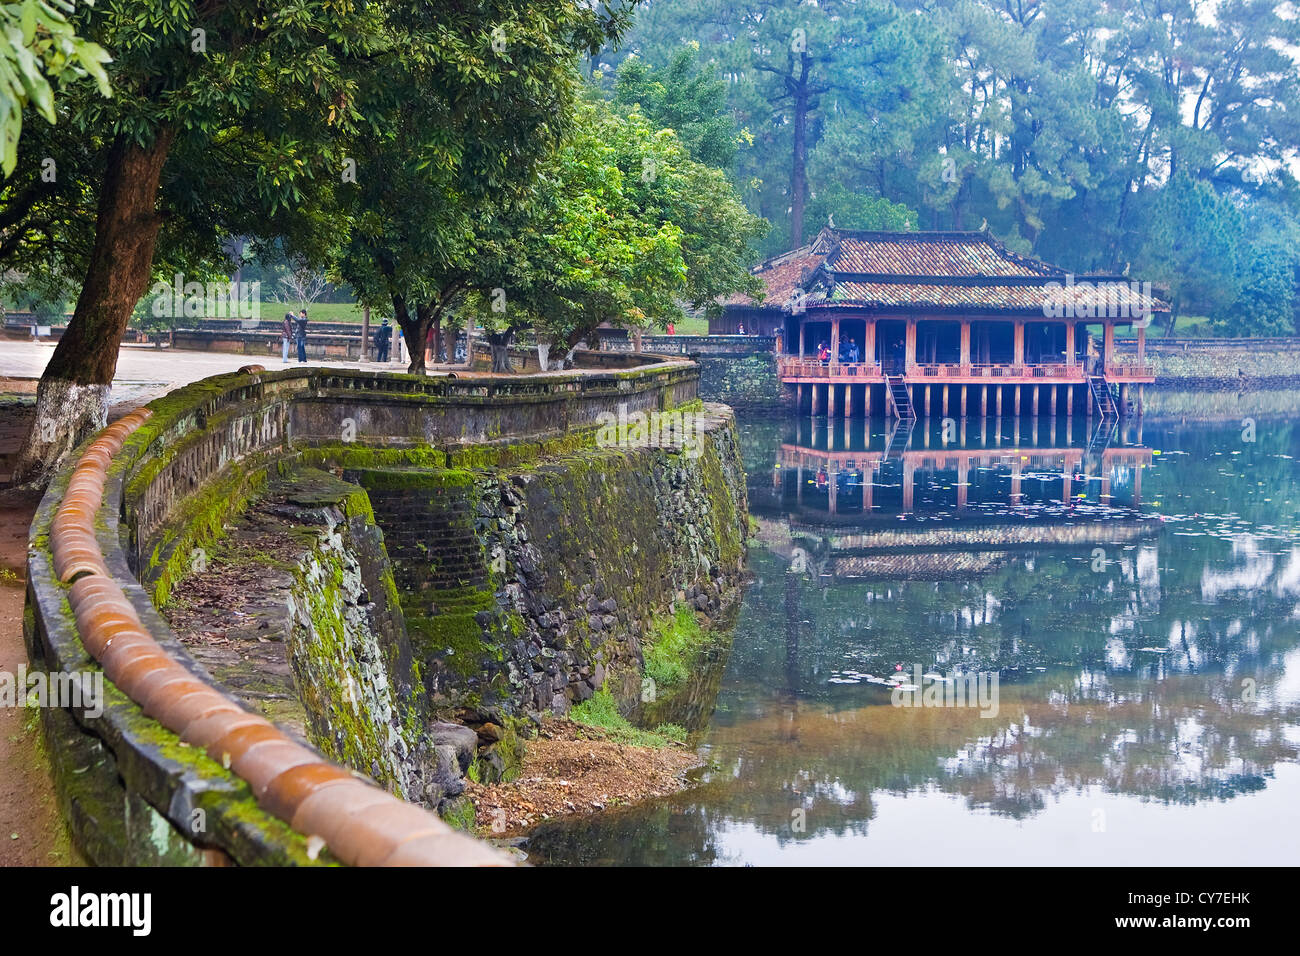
(383, 336)
(301, 331)
(286, 336)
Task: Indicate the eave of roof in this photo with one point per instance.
(931, 271)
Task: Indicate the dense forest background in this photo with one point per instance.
(1154, 137)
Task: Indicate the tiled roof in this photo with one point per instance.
(938, 254)
(936, 272)
(1049, 297)
(781, 275)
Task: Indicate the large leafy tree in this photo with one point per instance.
(1195, 247)
(1058, 122)
(219, 122)
(459, 117)
(857, 76)
(626, 228)
(686, 96)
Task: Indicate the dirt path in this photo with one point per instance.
(31, 830)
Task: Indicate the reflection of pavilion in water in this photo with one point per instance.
(846, 473)
(923, 503)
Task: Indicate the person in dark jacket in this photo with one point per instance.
(383, 336)
(301, 335)
(286, 336)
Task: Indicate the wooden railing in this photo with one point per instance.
(1130, 368)
(795, 367)
(1053, 370)
(789, 366)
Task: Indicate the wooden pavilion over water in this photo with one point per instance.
(947, 323)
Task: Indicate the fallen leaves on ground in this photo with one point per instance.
(572, 768)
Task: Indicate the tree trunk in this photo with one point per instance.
(72, 398)
(799, 162)
(453, 336)
(500, 342)
(415, 329)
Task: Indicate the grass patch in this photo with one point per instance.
(601, 712)
(673, 646)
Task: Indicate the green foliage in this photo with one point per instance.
(1266, 304)
(601, 711)
(44, 309)
(673, 645)
(1194, 246)
(686, 97)
(860, 211)
(625, 228)
(38, 44)
(1092, 136)
(462, 112)
(244, 109)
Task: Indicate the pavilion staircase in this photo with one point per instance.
(1103, 398)
(898, 400)
(899, 437)
(1101, 438)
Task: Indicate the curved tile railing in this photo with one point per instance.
(360, 823)
(87, 600)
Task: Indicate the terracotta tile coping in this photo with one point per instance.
(361, 824)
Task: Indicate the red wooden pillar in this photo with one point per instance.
(1108, 345)
(965, 345)
(1018, 356)
(910, 349)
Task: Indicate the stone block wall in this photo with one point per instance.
(527, 586)
(745, 382)
(549, 559)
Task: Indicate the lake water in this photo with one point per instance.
(1136, 598)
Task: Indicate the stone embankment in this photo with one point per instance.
(1222, 364)
(392, 578)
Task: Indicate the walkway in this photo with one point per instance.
(31, 829)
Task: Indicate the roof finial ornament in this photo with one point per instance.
(1126, 265)
(984, 225)
(830, 220)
